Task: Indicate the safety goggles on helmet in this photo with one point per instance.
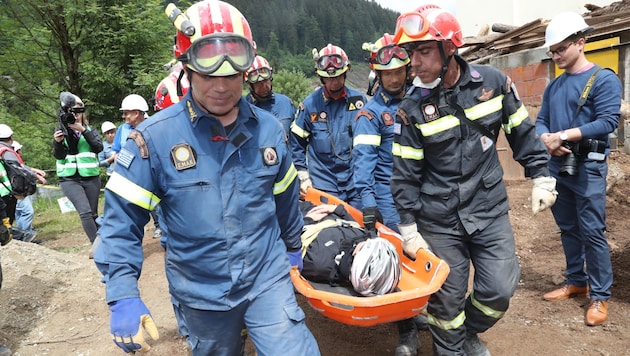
(258, 75)
(332, 60)
(412, 24)
(208, 54)
(387, 53)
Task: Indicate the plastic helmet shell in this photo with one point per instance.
(107, 125)
(134, 102)
(259, 63)
(166, 91)
(5, 131)
(331, 50)
(16, 145)
(375, 269)
(443, 26)
(563, 26)
(386, 40)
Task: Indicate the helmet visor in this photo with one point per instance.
(412, 24)
(387, 53)
(208, 54)
(258, 75)
(332, 60)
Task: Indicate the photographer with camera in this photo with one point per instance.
(580, 108)
(75, 146)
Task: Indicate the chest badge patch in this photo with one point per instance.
(183, 156)
(430, 112)
(486, 93)
(388, 119)
(322, 116)
(355, 103)
(270, 156)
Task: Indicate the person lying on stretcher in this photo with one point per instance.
(336, 250)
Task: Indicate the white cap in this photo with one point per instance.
(16, 145)
(107, 125)
(563, 26)
(134, 102)
(5, 131)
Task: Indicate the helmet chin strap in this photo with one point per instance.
(260, 97)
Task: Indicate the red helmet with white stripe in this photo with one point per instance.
(166, 93)
(331, 61)
(428, 23)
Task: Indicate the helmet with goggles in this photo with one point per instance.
(167, 92)
(428, 23)
(331, 61)
(385, 54)
(259, 71)
(221, 42)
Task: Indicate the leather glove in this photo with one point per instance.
(371, 215)
(412, 240)
(543, 193)
(5, 232)
(305, 181)
(127, 319)
(295, 258)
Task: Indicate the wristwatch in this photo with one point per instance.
(563, 136)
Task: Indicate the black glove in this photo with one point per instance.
(5, 235)
(370, 216)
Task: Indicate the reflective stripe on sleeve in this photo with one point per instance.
(282, 186)
(372, 140)
(407, 152)
(516, 119)
(132, 192)
(300, 132)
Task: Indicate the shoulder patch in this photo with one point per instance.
(388, 120)
(365, 113)
(139, 140)
(402, 115)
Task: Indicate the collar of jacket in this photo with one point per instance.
(195, 113)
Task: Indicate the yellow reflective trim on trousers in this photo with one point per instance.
(485, 108)
(516, 119)
(132, 192)
(282, 186)
(486, 310)
(299, 131)
(372, 140)
(447, 324)
(407, 152)
(442, 124)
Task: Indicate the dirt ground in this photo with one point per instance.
(52, 303)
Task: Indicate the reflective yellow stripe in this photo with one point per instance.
(132, 192)
(485, 108)
(516, 119)
(372, 140)
(282, 186)
(299, 131)
(442, 124)
(473, 113)
(408, 152)
(485, 309)
(447, 324)
(84, 155)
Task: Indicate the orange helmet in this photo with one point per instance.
(428, 23)
(259, 71)
(221, 42)
(166, 93)
(331, 61)
(385, 54)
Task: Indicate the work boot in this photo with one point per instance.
(567, 291)
(596, 313)
(4, 351)
(408, 341)
(475, 347)
(421, 321)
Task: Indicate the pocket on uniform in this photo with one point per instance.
(294, 312)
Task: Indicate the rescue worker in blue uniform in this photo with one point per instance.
(447, 180)
(260, 78)
(222, 173)
(321, 143)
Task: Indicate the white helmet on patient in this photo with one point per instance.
(376, 268)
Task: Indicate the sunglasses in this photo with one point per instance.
(332, 60)
(78, 110)
(387, 53)
(258, 75)
(560, 51)
(411, 24)
(208, 54)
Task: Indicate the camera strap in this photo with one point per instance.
(584, 96)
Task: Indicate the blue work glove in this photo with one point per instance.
(295, 258)
(128, 317)
(371, 215)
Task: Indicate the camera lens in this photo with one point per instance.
(569, 165)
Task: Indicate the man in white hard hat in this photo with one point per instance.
(576, 136)
(106, 156)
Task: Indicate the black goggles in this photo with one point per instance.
(77, 110)
(387, 53)
(333, 60)
(258, 75)
(208, 54)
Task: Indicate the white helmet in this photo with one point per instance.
(376, 268)
(16, 145)
(5, 131)
(107, 125)
(134, 102)
(563, 26)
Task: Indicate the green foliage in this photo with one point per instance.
(293, 84)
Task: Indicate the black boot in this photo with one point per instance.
(408, 341)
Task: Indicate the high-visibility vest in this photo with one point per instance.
(86, 161)
(5, 183)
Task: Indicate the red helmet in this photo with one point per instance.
(221, 42)
(385, 54)
(331, 61)
(428, 23)
(259, 71)
(166, 91)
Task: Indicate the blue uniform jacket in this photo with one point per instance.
(230, 203)
(279, 105)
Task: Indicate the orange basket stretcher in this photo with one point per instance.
(420, 279)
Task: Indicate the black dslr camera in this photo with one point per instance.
(67, 111)
(589, 148)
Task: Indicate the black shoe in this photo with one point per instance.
(421, 322)
(38, 241)
(408, 341)
(475, 347)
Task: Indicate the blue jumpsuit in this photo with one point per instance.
(279, 105)
(580, 210)
(322, 136)
(230, 202)
(373, 131)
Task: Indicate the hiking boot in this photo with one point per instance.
(408, 341)
(475, 347)
(596, 313)
(567, 291)
(4, 351)
(28, 236)
(157, 233)
(421, 321)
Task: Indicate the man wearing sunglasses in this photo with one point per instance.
(564, 125)
(260, 78)
(222, 174)
(321, 142)
(447, 180)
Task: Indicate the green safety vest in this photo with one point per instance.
(5, 183)
(86, 161)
